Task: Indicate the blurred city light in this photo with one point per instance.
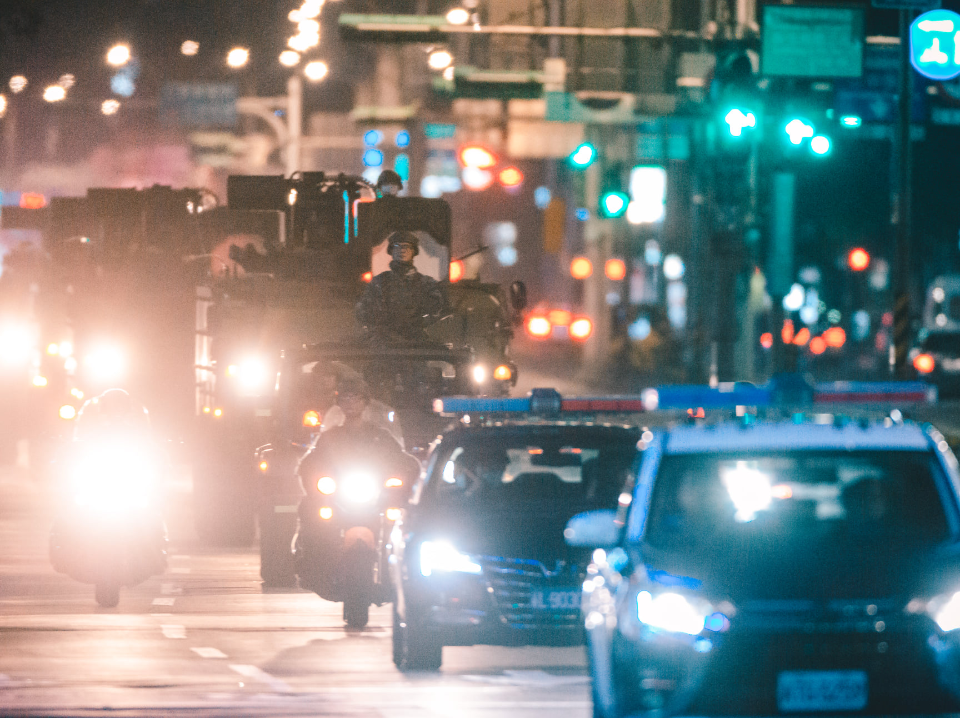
(448, 74)
(583, 156)
(818, 345)
(510, 177)
(458, 16)
(308, 27)
(402, 139)
(581, 268)
(766, 340)
(542, 197)
(118, 55)
(835, 336)
(475, 178)
(316, 70)
(190, 47)
(673, 267)
(456, 270)
(615, 269)
(648, 192)
(858, 259)
(477, 157)
(289, 58)
(238, 57)
(3, 105)
(54, 93)
(18, 83)
(793, 300)
(802, 337)
(613, 204)
(737, 120)
(110, 107)
(559, 317)
(851, 121)
(797, 130)
(538, 326)
(66, 81)
(439, 59)
(820, 144)
(581, 328)
(310, 8)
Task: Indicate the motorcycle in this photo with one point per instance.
(109, 530)
(344, 523)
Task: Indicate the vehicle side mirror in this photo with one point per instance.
(518, 295)
(595, 529)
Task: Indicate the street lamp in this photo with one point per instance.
(238, 57)
(18, 83)
(118, 55)
(190, 47)
(54, 93)
(316, 70)
(289, 58)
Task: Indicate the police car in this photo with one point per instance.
(478, 556)
(806, 564)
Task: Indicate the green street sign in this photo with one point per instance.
(810, 41)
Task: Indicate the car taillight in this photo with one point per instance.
(924, 363)
(538, 326)
(581, 328)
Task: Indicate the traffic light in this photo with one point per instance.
(738, 120)
(583, 156)
(858, 259)
(613, 204)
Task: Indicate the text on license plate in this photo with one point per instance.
(809, 690)
(555, 599)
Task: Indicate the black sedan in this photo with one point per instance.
(479, 555)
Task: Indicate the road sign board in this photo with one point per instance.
(935, 44)
(194, 104)
(810, 41)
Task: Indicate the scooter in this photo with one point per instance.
(109, 530)
(344, 523)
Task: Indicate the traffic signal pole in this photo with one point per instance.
(901, 201)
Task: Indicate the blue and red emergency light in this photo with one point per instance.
(783, 391)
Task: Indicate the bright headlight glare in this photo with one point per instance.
(945, 611)
(327, 485)
(359, 488)
(106, 363)
(440, 556)
(479, 373)
(672, 612)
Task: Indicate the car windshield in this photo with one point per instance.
(542, 471)
(947, 343)
(747, 514)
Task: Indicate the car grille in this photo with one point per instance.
(514, 582)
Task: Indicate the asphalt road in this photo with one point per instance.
(204, 639)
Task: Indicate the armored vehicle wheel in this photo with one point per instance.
(413, 648)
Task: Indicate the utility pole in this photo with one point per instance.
(902, 167)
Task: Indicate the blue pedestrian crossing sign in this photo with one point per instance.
(935, 44)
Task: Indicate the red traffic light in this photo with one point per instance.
(858, 259)
(477, 156)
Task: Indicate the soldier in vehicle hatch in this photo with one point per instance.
(398, 304)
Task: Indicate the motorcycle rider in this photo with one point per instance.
(357, 436)
(399, 303)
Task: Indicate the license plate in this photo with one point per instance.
(811, 690)
(555, 600)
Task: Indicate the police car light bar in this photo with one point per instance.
(783, 391)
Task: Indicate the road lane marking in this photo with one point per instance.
(531, 678)
(174, 632)
(208, 652)
(163, 601)
(255, 673)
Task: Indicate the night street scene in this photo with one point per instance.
(479, 358)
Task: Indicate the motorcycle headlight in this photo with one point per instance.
(673, 612)
(106, 363)
(440, 556)
(359, 488)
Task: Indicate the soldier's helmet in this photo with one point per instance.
(389, 183)
(403, 237)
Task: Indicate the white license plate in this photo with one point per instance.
(555, 600)
(815, 690)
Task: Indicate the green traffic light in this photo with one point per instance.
(583, 156)
(737, 120)
(613, 204)
(820, 145)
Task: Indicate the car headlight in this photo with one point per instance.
(440, 556)
(673, 612)
(106, 363)
(943, 609)
(359, 488)
(479, 374)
